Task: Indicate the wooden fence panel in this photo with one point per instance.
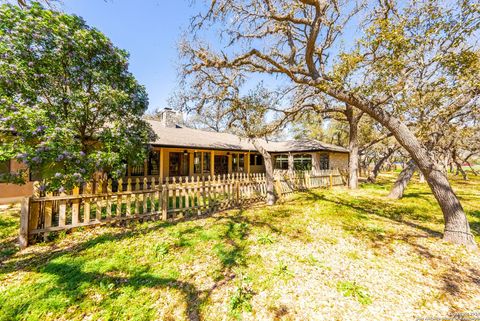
(145, 199)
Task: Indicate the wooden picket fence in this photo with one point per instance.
(150, 199)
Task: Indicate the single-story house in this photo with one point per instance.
(182, 151)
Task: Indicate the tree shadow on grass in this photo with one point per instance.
(274, 220)
(454, 278)
(28, 260)
(474, 225)
(8, 242)
(230, 250)
(370, 207)
(474, 213)
(420, 195)
(69, 277)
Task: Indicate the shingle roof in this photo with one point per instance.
(303, 146)
(185, 137)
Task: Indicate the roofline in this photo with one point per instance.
(310, 150)
(247, 150)
(202, 148)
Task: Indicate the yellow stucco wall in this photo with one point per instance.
(13, 190)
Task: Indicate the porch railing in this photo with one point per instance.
(152, 200)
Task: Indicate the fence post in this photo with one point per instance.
(34, 209)
(86, 207)
(164, 202)
(331, 180)
(75, 206)
(210, 194)
(24, 215)
(62, 212)
(278, 187)
(237, 192)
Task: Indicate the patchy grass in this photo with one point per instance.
(9, 227)
(354, 290)
(322, 255)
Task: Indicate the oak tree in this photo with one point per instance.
(301, 41)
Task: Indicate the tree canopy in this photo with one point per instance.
(375, 70)
(68, 104)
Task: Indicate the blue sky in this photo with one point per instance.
(148, 29)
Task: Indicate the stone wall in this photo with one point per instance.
(338, 160)
(171, 118)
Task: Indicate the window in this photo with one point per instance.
(259, 160)
(197, 163)
(174, 164)
(241, 162)
(256, 160)
(206, 163)
(4, 169)
(154, 163)
(34, 174)
(324, 161)
(221, 164)
(234, 162)
(252, 160)
(281, 162)
(178, 164)
(201, 162)
(302, 162)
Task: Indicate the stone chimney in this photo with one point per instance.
(170, 118)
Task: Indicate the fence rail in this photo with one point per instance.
(151, 199)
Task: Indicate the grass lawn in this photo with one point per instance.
(321, 255)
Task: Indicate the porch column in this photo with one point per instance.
(248, 163)
(162, 154)
(290, 163)
(212, 163)
(229, 163)
(191, 159)
(315, 162)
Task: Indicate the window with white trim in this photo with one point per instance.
(281, 162)
(302, 162)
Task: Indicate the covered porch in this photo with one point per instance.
(164, 162)
(180, 162)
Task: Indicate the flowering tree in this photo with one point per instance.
(68, 104)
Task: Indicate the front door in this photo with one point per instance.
(221, 164)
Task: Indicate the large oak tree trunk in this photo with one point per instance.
(402, 181)
(353, 121)
(376, 169)
(458, 164)
(461, 171)
(457, 229)
(270, 179)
